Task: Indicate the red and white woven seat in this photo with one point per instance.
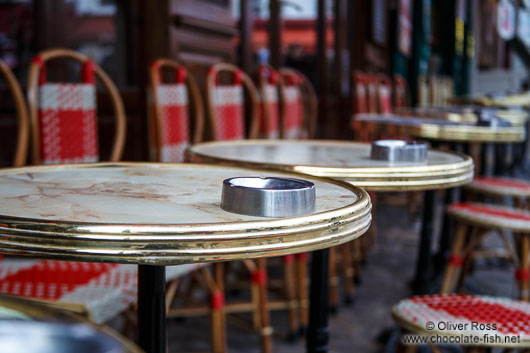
(501, 186)
(67, 119)
(492, 215)
(228, 109)
(293, 108)
(104, 289)
(474, 313)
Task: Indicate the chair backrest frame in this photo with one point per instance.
(195, 95)
(21, 149)
(33, 82)
(253, 129)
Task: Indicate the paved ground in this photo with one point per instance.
(366, 326)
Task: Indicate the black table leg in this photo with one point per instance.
(452, 195)
(423, 263)
(318, 332)
(152, 308)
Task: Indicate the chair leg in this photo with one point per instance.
(289, 279)
(218, 317)
(455, 261)
(347, 265)
(522, 273)
(302, 285)
(357, 259)
(333, 281)
(265, 328)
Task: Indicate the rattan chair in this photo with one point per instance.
(172, 130)
(63, 115)
(63, 122)
(226, 107)
(384, 94)
(226, 103)
(401, 92)
(171, 106)
(299, 105)
(269, 89)
(21, 149)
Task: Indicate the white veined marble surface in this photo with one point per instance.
(332, 154)
(141, 194)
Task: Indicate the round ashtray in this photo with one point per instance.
(268, 196)
(399, 151)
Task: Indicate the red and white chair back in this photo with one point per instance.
(67, 118)
(63, 115)
(372, 86)
(400, 92)
(360, 99)
(227, 108)
(384, 89)
(169, 117)
(269, 121)
(293, 107)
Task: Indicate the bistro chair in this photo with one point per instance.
(473, 222)
(172, 130)
(171, 106)
(360, 101)
(21, 149)
(226, 106)
(401, 92)
(384, 94)
(63, 115)
(500, 321)
(226, 103)
(63, 122)
(269, 89)
(299, 105)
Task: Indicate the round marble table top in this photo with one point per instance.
(348, 161)
(437, 129)
(160, 214)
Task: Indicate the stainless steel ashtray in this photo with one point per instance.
(399, 151)
(268, 197)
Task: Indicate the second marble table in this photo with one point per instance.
(345, 161)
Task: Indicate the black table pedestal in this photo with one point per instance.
(423, 262)
(318, 331)
(152, 308)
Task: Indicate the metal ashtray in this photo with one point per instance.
(268, 197)
(399, 151)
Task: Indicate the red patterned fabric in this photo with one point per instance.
(400, 91)
(384, 91)
(175, 129)
(68, 126)
(272, 130)
(510, 317)
(104, 289)
(293, 108)
(228, 107)
(371, 94)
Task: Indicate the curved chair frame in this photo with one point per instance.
(195, 95)
(251, 89)
(33, 78)
(21, 149)
(309, 98)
